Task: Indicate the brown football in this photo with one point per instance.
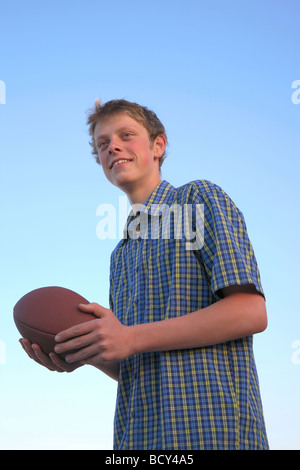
(44, 312)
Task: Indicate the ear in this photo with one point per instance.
(159, 146)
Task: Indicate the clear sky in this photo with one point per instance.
(219, 75)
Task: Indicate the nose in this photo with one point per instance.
(114, 146)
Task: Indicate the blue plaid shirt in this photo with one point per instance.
(202, 398)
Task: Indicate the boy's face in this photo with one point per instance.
(127, 156)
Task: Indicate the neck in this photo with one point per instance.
(139, 193)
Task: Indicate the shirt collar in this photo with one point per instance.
(162, 194)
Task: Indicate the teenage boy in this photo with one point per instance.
(178, 334)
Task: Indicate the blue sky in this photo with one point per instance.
(219, 75)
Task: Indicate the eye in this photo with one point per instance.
(102, 144)
(127, 134)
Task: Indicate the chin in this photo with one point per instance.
(123, 181)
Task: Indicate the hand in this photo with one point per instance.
(52, 362)
(102, 340)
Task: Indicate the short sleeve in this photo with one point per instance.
(111, 280)
(227, 253)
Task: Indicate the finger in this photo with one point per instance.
(63, 365)
(74, 331)
(83, 355)
(44, 359)
(93, 308)
(74, 343)
(53, 363)
(27, 346)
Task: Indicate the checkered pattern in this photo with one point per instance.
(202, 398)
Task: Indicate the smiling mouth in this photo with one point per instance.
(119, 162)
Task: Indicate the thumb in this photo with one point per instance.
(94, 309)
